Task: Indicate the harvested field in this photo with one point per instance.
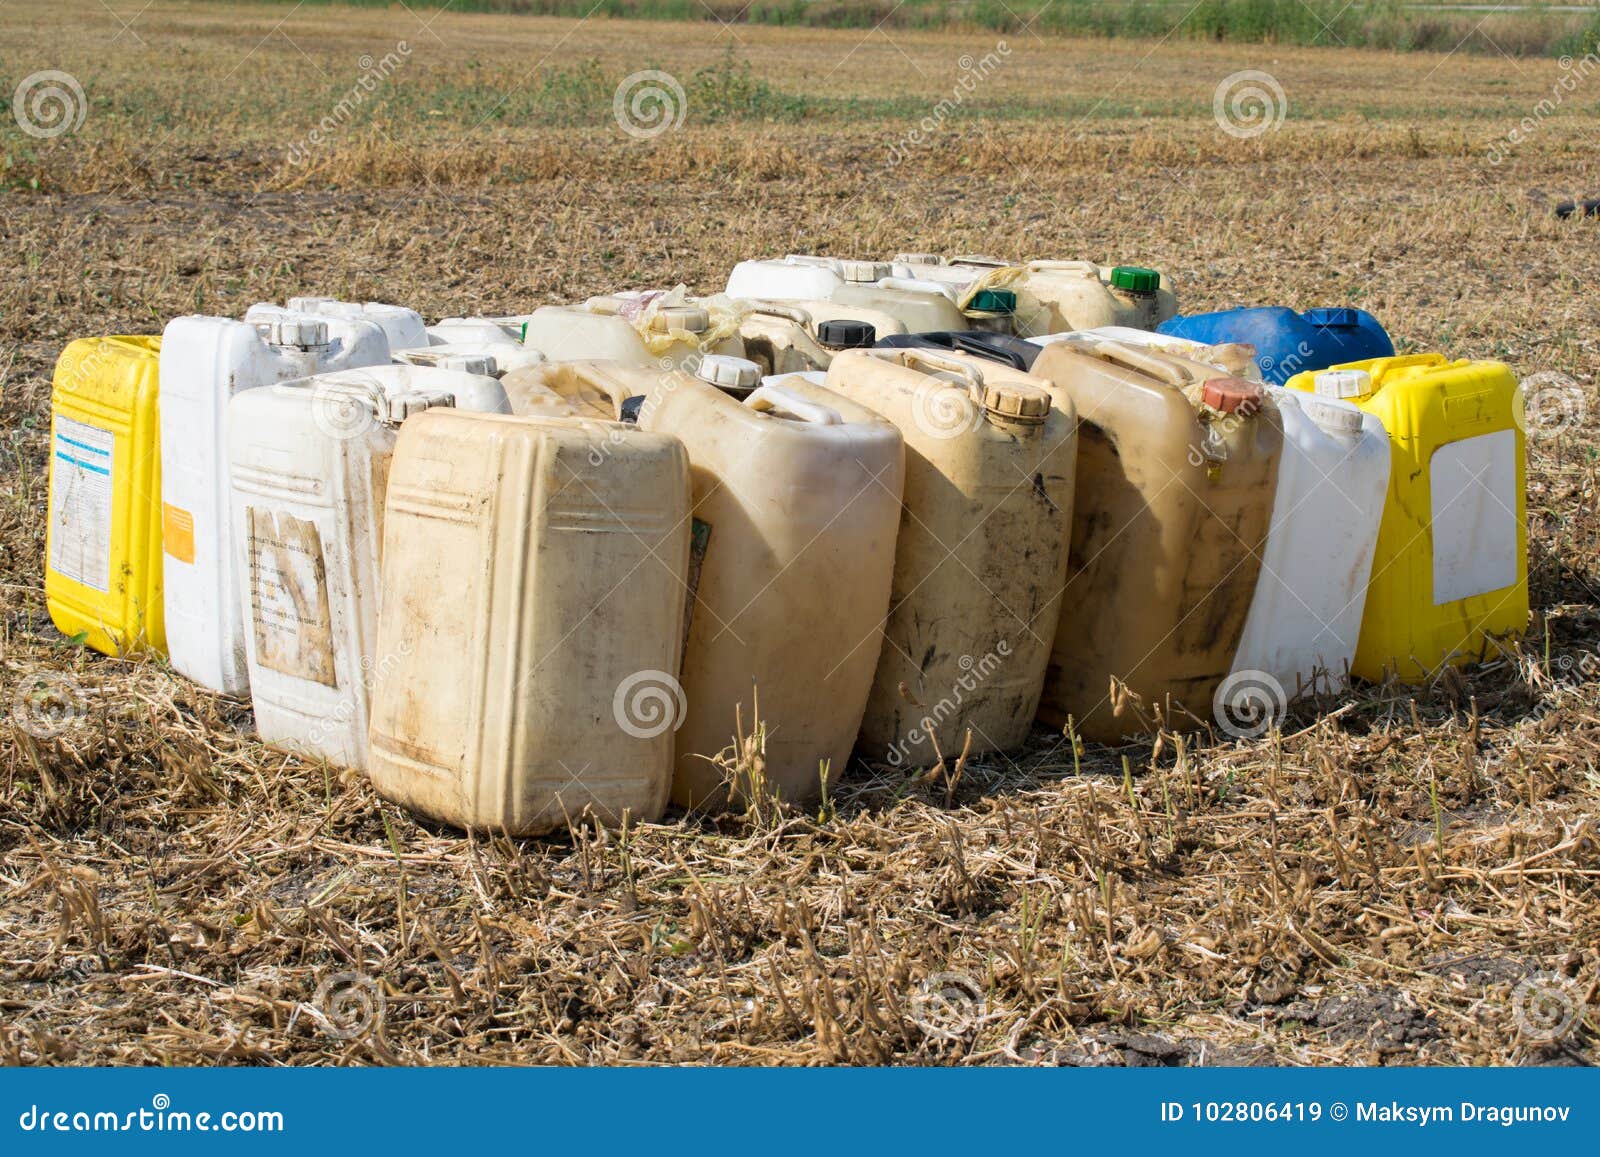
(1403, 875)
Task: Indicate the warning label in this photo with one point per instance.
(289, 597)
(80, 503)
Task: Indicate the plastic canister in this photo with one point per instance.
(1177, 468)
(402, 327)
(1234, 358)
(205, 361)
(796, 498)
(920, 306)
(591, 389)
(801, 276)
(663, 330)
(959, 271)
(1057, 296)
(982, 550)
(785, 338)
(102, 579)
(1450, 570)
(534, 579)
(309, 464)
(491, 358)
(1286, 342)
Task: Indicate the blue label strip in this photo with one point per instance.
(80, 464)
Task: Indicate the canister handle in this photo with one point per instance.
(937, 363)
(767, 398)
(1066, 266)
(813, 260)
(917, 285)
(589, 375)
(787, 312)
(1145, 361)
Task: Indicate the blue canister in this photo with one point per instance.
(1288, 343)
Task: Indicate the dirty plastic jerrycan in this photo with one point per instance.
(1056, 296)
(638, 331)
(801, 277)
(402, 327)
(1450, 571)
(489, 358)
(588, 389)
(791, 338)
(982, 549)
(957, 271)
(796, 510)
(450, 330)
(102, 579)
(534, 578)
(926, 306)
(1177, 468)
(205, 361)
(1235, 358)
(309, 463)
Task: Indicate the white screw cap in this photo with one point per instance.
(483, 364)
(865, 272)
(1333, 419)
(297, 333)
(728, 372)
(690, 318)
(1343, 383)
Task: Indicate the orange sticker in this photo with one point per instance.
(177, 532)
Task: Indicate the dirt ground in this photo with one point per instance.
(1401, 875)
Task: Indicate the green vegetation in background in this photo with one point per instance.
(1380, 24)
(472, 95)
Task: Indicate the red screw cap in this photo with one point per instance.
(1233, 396)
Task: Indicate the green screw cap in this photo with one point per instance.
(1135, 279)
(993, 301)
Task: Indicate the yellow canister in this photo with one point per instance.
(103, 554)
(1451, 568)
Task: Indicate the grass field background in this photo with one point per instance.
(1376, 884)
(1401, 25)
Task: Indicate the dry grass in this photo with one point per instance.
(1372, 886)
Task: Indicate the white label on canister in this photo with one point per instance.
(80, 503)
(1474, 516)
(289, 596)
